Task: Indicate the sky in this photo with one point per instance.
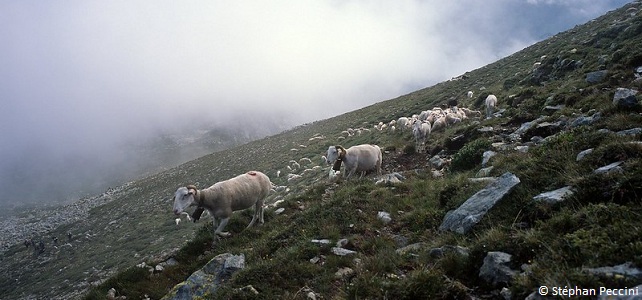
(80, 78)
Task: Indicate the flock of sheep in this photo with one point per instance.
(251, 189)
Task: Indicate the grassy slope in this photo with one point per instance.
(595, 228)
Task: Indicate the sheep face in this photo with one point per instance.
(332, 155)
(183, 198)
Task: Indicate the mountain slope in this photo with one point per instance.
(595, 228)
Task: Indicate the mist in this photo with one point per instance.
(88, 86)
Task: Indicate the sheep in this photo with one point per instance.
(360, 158)
(403, 122)
(224, 197)
(439, 124)
(491, 103)
(470, 112)
(421, 130)
(452, 118)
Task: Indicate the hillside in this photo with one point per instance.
(575, 74)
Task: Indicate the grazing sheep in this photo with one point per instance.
(225, 197)
(472, 113)
(439, 124)
(421, 130)
(452, 119)
(491, 103)
(403, 122)
(360, 158)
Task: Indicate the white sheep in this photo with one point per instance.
(360, 158)
(440, 123)
(491, 103)
(403, 122)
(421, 131)
(225, 197)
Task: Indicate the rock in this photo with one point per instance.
(250, 289)
(582, 121)
(437, 162)
(384, 217)
(322, 241)
(625, 98)
(159, 268)
(487, 156)
(343, 273)
(595, 77)
(390, 178)
(496, 269)
(555, 196)
(341, 251)
(205, 282)
(410, 248)
(279, 211)
(342, 243)
(484, 172)
(553, 108)
(443, 250)
(624, 269)
(521, 149)
(583, 154)
(506, 293)
(462, 219)
(485, 129)
(632, 131)
(614, 167)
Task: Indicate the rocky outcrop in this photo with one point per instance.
(470, 213)
(206, 281)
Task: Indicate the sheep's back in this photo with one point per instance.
(364, 156)
(245, 190)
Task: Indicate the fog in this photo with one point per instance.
(83, 82)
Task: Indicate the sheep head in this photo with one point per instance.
(183, 198)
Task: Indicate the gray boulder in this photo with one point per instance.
(595, 77)
(555, 196)
(496, 269)
(625, 98)
(206, 281)
(462, 219)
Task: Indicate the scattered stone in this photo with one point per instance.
(344, 272)
(553, 108)
(483, 179)
(342, 243)
(410, 248)
(443, 250)
(437, 162)
(555, 196)
(322, 241)
(595, 77)
(496, 269)
(625, 269)
(625, 98)
(487, 156)
(341, 251)
(582, 121)
(614, 167)
(384, 217)
(249, 288)
(390, 178)
(485, 129)
(521, 149)
(159, 268)
(279, 211)
(470, 213)
(583, 154)
(506, 293)
(484, 172)
(632, 132)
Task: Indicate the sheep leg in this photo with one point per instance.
(219, 229)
